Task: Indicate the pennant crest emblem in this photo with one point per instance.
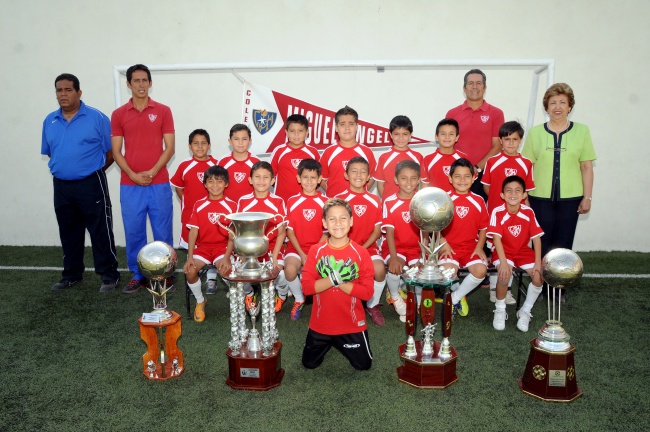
(152, 117)
(345, 164)
(200, 176)
(264, 120)
(462, 211)
(239, 177)
(515, 230)
(360, 210)
(511, 172)
(309, 214)
(446, 170)
(406, 215)
(212, 217)
(485, 118)
(295, 163)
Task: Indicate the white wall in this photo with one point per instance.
(600, 49)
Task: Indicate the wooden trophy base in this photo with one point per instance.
(149, 332)
(434, 374)
(550, 376)
(253, 371)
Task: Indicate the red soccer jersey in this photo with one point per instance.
(397, 215)
(470, 216)
(500, 166)
(306, 218)
(285, 160)
(366, 214)
(516, 230)
(271, 204)
(335, 312)
(189, 177)
(335, 161)
(238, 173)
(385, 171)
(476, 128)
(435, 170)
(204, 217)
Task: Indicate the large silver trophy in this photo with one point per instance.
(157, 261)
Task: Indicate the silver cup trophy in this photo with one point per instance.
(157, 261)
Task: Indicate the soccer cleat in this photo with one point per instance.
(134, 286)
(107, 286)
(199, 311)
(510, 299)
(493, 295)
(65, 283)
(375, 315)
(250, 302)
(279, 301)
(461, 308)
(500, 317)
(400, 306)
(296, 311)
(211, 286)
(523, 320)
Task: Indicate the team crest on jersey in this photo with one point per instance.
(239, 177)
(309, 213)
(345, 164)
(360, 210)
(511, 172)
(295, 163)
(462, 211)
(264, 120)
(200, 176)
(406, 216)
(152, 117)
(485, 119)
(446, 169)
(515, 230)
(213, 217)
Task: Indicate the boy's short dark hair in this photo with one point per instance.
(239, 127)
(462, 162)
(310, 165)
(196, 132)
(68, 77)
(262, 165)
(508, 128)
(448, 122)
(137, 67)
(513, 179)
(336, 202)
(400, 121)
(474, 71)
(346, 110)
(407, 164)
(357, 159)
(297, 118)
(217, 172)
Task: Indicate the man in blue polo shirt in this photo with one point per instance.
(77, 139)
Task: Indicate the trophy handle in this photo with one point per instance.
(224, 227)
(278, 225)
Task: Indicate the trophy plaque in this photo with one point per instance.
(163, 359)
(550, 373)
(427, 362)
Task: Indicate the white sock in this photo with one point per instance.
(455, 286)
(376, 297)
(531, 297)
(196, 290)
(393, 282)
(418, 295)
(493, 281)
(211, 274)
(466, 286)
(296, 289)
(281, 285)
(501, 304)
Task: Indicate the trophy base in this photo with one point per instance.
(429, 371)
(254, 371)
(550, 375)
(170, 330)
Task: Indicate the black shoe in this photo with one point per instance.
(65, 283)
(134, 286)
(108, 285)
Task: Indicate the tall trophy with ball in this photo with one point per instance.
(550, 372)
(428, 363)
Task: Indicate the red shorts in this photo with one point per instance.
(209, 253)
(462, 258)
(410, 256)
(374, 253)
(524, 259)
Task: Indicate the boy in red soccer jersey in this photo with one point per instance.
(335, 158)
(435, 167)
(498, 167)
(401, 129)
(207, 241)
(263, 200)
(465, 235)
(285, 158)
(403, 249)
(366, 209)
(304, 229)
(512, 227)
(239, 162)
(339, 274)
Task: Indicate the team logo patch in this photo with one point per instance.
(264, 120)
(462, 211)
(200, 176)
(152, 117)
(309, 213)
(515, 230)
(485, 119)
(446, 169)
(510, 172)
(212, 217)
(360, 210)
(345, 164)
(239, 177)
(295, 163)
(406, 216)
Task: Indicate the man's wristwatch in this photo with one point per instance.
(478, 169)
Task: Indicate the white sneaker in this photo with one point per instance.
(523, 320)
(510, 300)
(400, 306)
(493, 295)
(500, 317)
(402, 318)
